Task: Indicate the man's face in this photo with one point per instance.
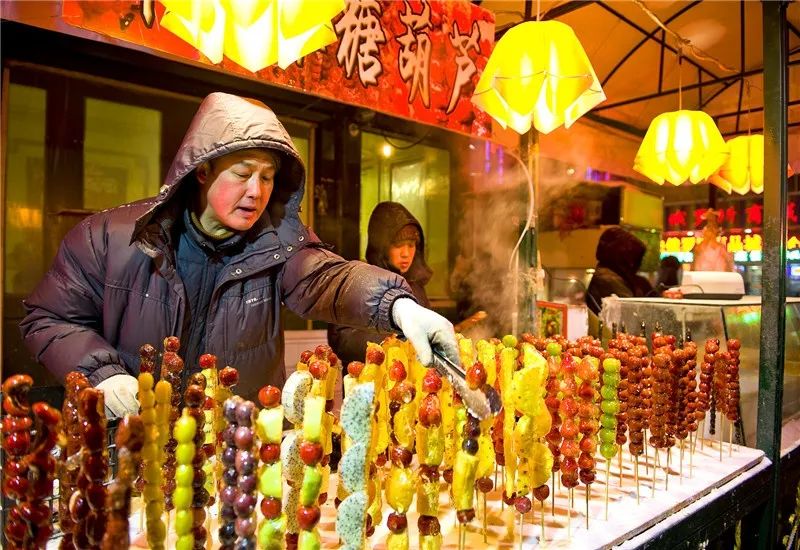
(236, 188)
(401, 255)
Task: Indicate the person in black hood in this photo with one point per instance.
(619, 257)
(395, 243)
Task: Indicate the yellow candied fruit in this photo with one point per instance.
(397, 541)
(464, 480)
(431, 542)
(542, 461)
(404, 421)
(400, 489)
(430, 445)
(486, 458)
(428, 499)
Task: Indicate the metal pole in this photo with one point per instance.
(773, 278)
(528, 252)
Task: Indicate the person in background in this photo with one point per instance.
(395, 242)
(669, 274)
(710, 254)
(619, 257)
(211, 259)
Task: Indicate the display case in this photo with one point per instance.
(723, 319)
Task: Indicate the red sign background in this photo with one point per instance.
(321, 74)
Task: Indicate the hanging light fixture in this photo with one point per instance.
(538, 74)
(743, 171)
(253, 33)
(681, 145)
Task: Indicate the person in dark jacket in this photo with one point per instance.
(210, 259)
(396, 243)
(619, 256)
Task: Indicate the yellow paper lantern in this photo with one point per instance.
(744, 169)
(680, 146)
(253, 33)
(538, 73)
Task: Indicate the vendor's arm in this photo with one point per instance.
(318, 284)
(64, 312)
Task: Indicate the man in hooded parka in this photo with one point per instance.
(210, 259)
(391, 226)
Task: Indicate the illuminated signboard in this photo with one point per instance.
(744, 247)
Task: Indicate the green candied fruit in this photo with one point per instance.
(611, 379)
(184, 474)
(184, 453)
(183, 521)
(270, 533)
(312, 480)
(461, 414)
(185, 542)
(184, 429)
(182, 498)
(608, 393)
(608, 421)
(611, 365)
(609, 407)
(553, 349)
(608, 450)
(607, 435)
(510, 341)
(309, 540)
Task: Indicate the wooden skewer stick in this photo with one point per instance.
(681, 469)
(730, 439)
(588, 488)
(691, 456)
(701, 432)
(141, 515)
(646, 459)
(608, 482)
(542, 518)
(721, 436)
(655, 467)
(666, 472)
(636, 475)
(569, 515)
(553, 494)
(520, 531)
(484, 516)
(620, 466)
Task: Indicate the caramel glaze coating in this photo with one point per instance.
(68, 464)
(87, 504)
(129, 442)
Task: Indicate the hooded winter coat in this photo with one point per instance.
(619, 256)
(386, 220)
(114, 286)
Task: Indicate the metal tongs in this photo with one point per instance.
(481, 403)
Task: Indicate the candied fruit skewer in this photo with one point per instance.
(228, 491)
(148, 481)
(68, 465)
(534, 459)
(129, 441)
(87, 505)
(171, 369)
(553, 402)
(208, 368)
(608, 420)
(16, 444)
(194, 397)
(400, 483)
(588, 412)
(184, 434)
(154, 456)
(704, 389)
(147, 366)
(315, 433)
(326, 364)
(732, 385)
(568, 412)
(269, 427)
(430, 450)
(41, 473)
(484, 372)
(245, 463)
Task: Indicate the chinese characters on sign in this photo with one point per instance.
(739, 214)
(418, 59)
(360, 33)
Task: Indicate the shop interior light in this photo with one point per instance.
(744, 169)
(538, 74)
(253, 33)
(680, 146)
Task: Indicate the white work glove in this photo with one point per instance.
(120, 395)
(425, 329)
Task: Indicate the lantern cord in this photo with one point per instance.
(684, 42)
(529, 220)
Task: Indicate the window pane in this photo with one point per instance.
(418, 177)
(122, 150)
(24, 242)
